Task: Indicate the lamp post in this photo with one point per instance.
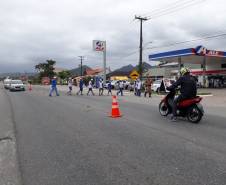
(81, 58)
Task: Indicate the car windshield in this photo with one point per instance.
(16, 82)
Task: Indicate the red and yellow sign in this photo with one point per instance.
(134, 75)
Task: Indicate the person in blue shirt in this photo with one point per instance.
(54, 86)
(109, 88)
(81, 83)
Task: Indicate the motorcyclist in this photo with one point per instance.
(188, 89)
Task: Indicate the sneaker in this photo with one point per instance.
(173, 118)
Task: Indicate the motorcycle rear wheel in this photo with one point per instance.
(163, 109)
(194, 115)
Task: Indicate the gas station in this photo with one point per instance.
(208, 65)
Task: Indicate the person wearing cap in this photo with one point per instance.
(90, 87)
(188, 89)
(54, 86)
(70, 82)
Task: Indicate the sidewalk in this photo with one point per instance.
(9, 170)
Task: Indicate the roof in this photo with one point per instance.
(119, 73)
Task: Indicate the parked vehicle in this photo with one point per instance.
(106, 84)
(16, 85)
(6, 83)
(156, 86)
(190, 108)
(114, 84)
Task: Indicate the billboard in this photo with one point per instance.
(99, 45)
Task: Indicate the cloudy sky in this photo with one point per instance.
(32, 31)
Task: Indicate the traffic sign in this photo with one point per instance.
(134, 75)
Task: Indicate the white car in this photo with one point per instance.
(6, 83)
(16, 85)
(156, 86)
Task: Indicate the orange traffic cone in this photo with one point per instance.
(115, 113)
(30, 88)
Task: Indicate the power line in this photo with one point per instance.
(177, 43)
(168, 6)
(188, 41)
(171, 8)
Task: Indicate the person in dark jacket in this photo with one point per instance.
(109, 88)
(188, 89)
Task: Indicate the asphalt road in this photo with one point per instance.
(70, 140)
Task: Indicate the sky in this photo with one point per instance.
(33, 31)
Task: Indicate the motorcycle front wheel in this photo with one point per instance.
(163, 109)
(194, 115)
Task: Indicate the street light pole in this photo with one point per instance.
(81, 58)
(141, 19)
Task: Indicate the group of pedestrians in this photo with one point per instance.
(137, 87)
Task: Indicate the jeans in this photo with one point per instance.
(90, 90)
(53, 88)
(138, 92)
(80, 91)
(109, 91)
(120, 91)
(101, 90)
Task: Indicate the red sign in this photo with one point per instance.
(45, 81)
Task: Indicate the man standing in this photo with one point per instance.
(54, 86)
(139, 85)
(81, 83)
(148, 85)
(101, 87)
(90, 86)
(120, 88)
(135, 87)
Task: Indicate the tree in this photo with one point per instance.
(64, 74)
(46, 69)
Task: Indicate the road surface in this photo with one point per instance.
(70, 140)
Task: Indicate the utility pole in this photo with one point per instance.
(81, 58)
(141, 19)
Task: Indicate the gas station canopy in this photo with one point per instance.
(189, 54)
(211, 60)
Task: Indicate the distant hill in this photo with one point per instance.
(146, 66)
(129, 68)
(16, 75)
(77, 71)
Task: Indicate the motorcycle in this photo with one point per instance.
(190, 108)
